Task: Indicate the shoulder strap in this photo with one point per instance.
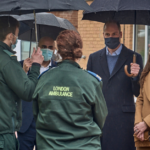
(95, 75)
(9, 53)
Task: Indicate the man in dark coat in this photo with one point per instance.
(118, 89)
(27, 133)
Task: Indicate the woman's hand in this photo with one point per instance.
(140, 128)
(141, 137)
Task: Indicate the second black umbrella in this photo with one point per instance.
(47, 25)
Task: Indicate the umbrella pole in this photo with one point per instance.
(134, 37)
(134, 55)
(36, 36)
(124, 34)
(30, 43)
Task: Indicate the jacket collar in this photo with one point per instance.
(6, 47)
(120, 62)
(70, 62)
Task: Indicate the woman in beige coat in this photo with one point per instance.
(142, 115)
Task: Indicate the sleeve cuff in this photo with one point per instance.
(147, 120)
(36, 68)
(36, 64)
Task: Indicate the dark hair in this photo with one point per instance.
(114, 22)
(8, 25)
(145, 72)
(69, 45)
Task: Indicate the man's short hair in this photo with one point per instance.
(8, 25)
(112, 22)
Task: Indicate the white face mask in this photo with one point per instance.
(56, 57)
(55, 52)
(78, 60)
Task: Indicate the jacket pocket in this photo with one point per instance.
(128, 108)
(1, 142)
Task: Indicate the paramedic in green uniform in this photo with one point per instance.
(68, 104)
(14, 83)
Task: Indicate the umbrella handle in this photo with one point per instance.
(126, 67)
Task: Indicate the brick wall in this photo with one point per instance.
(72, 16)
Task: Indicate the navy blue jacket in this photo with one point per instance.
(27, 111)
(119, 91)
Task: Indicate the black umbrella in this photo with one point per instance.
(8, 5)
(53, 5)
(28, 6)
(123, 11)
(47, 25)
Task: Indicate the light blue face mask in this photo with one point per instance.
(47, 53)
(13, 46)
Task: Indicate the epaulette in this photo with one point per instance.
(45, 72)
(95, 75)
(9, 53)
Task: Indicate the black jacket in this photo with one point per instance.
(119, 91)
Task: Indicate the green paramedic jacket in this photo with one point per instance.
(69, 109)
(14, 86)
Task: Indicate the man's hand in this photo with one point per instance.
(135, 69)
(27, 64)
(37, 56)
(140, 128)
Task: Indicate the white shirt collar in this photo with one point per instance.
(47, 66)
(42, 69)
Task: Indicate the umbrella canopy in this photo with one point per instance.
(123, 11)
(47, 25)
(27, 6)
(23, 28)
(9, 5)
(54, 5)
